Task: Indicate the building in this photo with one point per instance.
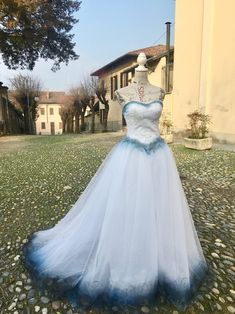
(120, 72)
(48, 117)
(204, 67)
(11, 117)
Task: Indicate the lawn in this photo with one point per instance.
(42, 177)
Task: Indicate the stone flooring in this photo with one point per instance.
(35, 183)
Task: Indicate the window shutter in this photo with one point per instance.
(121, 79)
(111, 89)
(115, 82)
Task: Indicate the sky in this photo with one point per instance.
(106, 30)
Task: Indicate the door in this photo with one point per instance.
(52, 128)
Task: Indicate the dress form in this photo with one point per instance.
(141, 89)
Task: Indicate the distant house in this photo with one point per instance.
(48, 117)
(120, 72)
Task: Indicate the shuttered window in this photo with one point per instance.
(114, 85)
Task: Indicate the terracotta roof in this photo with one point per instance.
(52, 97)
(47, 97)
(152, 51)
(149, 51)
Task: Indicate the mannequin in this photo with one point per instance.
(140, 90)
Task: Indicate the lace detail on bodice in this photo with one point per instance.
(143, 120)
(147, 148)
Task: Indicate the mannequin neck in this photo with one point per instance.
(141, 78)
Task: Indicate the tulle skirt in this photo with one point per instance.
(128, 239)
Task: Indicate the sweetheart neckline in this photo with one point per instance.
(142, 103)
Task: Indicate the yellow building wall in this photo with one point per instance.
(155, 77)
(222, 90)
(115, 111)
(204, 67)
(187, 53)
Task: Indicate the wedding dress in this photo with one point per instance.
(130, 236)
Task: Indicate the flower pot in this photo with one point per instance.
(198, 143)
(167, 137)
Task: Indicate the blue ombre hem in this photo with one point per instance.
(56, 288)
(147, 148)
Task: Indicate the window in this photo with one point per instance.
(42, 111)
(51, 111)
(114, 85)
(59, 111)
(60, 125)
(167, 80)
(123, 79)
(43, 125)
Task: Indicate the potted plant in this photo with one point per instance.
(166, 128)
(197, 138)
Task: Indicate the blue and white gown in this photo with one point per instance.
(130, 236)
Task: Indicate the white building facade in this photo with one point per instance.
(49, 120)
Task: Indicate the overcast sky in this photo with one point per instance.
(106, 30)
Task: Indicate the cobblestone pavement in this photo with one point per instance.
(41, 177)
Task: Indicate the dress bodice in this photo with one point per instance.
(143, 120)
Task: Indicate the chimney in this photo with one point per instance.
(168, 32)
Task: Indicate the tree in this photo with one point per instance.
(64, 117)
(81, 96)
(77, 105)
(67, 114)
(85, 97)
(33, 29)
(25, 89)
(92, 108)
(100, 89)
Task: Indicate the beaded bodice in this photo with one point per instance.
(143, 120)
